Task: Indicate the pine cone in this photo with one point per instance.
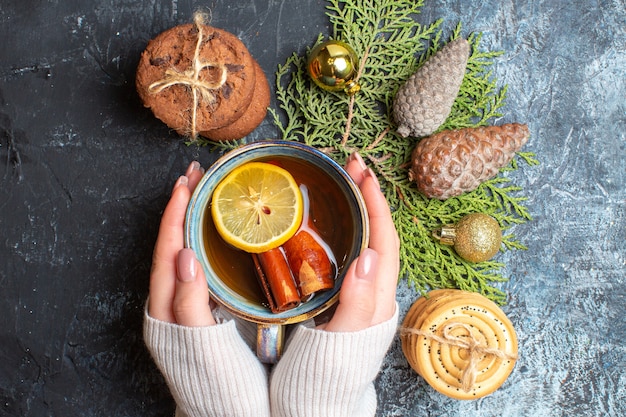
(452, 162)
(424, 102)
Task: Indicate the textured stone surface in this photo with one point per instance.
(85, 172)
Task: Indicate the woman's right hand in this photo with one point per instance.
(178, 288)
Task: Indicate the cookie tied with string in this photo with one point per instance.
(201, 80)
(460, 342)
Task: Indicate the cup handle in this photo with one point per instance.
(269, 342)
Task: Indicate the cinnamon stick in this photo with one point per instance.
(297, 270)
(309, 263)
(276, 280)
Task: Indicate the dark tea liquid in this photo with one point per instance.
(329, 212)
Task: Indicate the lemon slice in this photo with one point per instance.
(257, 207)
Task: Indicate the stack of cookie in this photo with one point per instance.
(460, 342)
(200, 80)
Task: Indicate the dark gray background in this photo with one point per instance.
(86, 172)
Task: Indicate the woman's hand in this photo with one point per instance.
(368, 292)
(178, 288)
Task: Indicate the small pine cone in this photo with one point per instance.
(424, 102)
(452, 162)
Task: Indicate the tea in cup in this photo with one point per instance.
(335, 207)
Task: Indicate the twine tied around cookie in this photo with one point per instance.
(473, 346)
(200, 89)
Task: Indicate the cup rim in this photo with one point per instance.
(200, 199)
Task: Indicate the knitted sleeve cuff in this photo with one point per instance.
(330, 373)
(210, 371)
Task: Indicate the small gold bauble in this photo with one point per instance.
(333, 66)
(476, 237)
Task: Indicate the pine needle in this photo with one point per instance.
(396, 45)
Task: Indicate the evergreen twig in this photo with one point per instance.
(397, 45)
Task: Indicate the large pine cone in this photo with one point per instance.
(452, 162)
(424, 102)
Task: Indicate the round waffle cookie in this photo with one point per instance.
(460, 342)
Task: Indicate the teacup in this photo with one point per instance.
(339, 213)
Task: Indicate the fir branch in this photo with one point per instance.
(511, 242)
(505, 197)
(528, 157)
(395, 46)
(221, 146)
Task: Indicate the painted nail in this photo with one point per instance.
(366, 264)
(370, 173)
(354, 156)
(194, 166)
(182, 180)
(186, 265)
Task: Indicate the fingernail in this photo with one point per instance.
(370, 173)
(187, 269)
(194, 166)
(354, 156)
(182, 180)
(366, 263)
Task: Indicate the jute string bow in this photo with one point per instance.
(200, 89)
(475, 349)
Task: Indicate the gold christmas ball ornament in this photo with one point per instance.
(333, 66)
(476, 237)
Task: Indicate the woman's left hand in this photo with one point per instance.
(368, 292)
